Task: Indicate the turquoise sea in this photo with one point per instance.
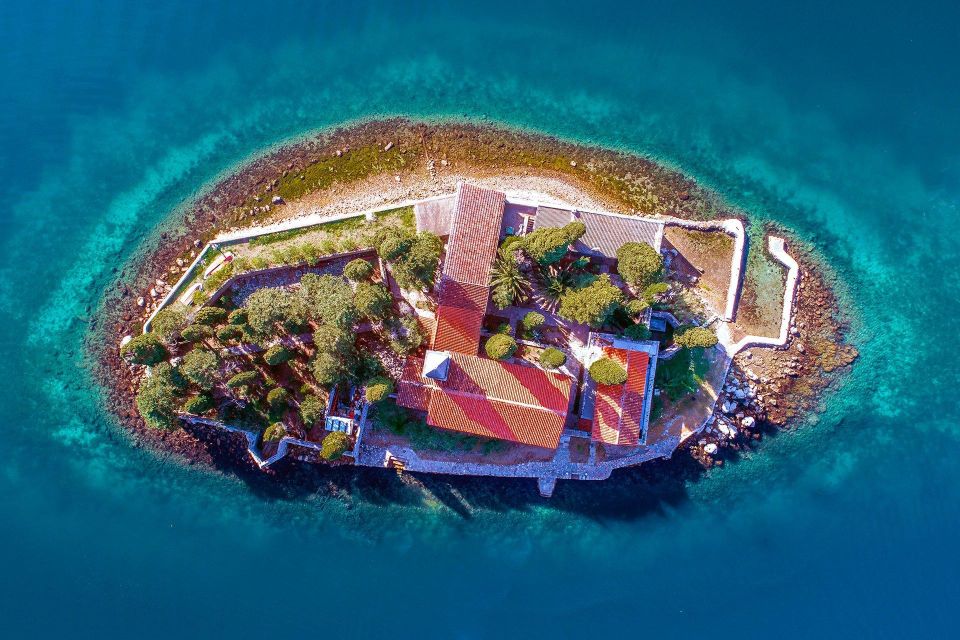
(838, 119)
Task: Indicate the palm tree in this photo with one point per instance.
(508, 281)
(554, 281)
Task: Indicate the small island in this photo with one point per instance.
(467, 300)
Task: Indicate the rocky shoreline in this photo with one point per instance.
(776, 385)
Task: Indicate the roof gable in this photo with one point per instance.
(474, 236)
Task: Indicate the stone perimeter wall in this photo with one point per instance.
(545, 472)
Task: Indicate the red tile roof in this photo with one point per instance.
(473, 239)
(457, 330)
(618, 409)
(493, 399)
(411, 393)
(463, 295)
(481, 396)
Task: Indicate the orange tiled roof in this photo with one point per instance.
(473, 239)
(411, 392)
(618, 408)
(463, 295)
(492, 399)
(457, 330)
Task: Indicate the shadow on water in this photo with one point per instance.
(629, 494)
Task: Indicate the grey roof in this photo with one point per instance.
(605, 233)
(435, 216)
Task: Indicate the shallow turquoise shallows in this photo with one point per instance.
(840, 120)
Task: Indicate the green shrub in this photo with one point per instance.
(335, 444)
(373, 301)
(500, 346)
(378, 388)
(243, 379)
(638, 263)
(197, 333)
(198, 405)
(552, 358)
(157, 402)
(275, 432)
(278, 397)
(237, 317)
(328, 299)
(695, 338)
(533, 321)
(201, 367)
(358, 270)
(607, 371)
(635, 307)
(593, 304)
(414, 259)
(274, 311)
(637, 332)
(146, 349)
(549, 244)
(229, 333)
(328, 369)
(406, 335)
(168, 323)
(312, 409)
(210, 316)
(277, 354)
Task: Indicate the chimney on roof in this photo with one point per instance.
(436, 364)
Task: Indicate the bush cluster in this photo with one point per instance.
(358, 270)
(638, 263)
(146, 349)
(378, 388)
(552, 358)
(500, 346)
(607, 371)
(334, 445)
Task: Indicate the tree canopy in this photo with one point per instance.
(607, 371)
(373, 301)
(549, 244)
(406, 335)
(552, 358)
(358, 270)
(210, 316)
(168, 322)
(378, 388)
(592, 304)
(274, 311)
(157, 401)
(197, 333)
(201, 366)
(312, 409)
(508, 282)
(277, 354)
(413, 259)
(146, 349)
(639, 264)
(500, 346)
(695, 337)
(334, 445)
(328, 300)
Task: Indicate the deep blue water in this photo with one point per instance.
(838, 119)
